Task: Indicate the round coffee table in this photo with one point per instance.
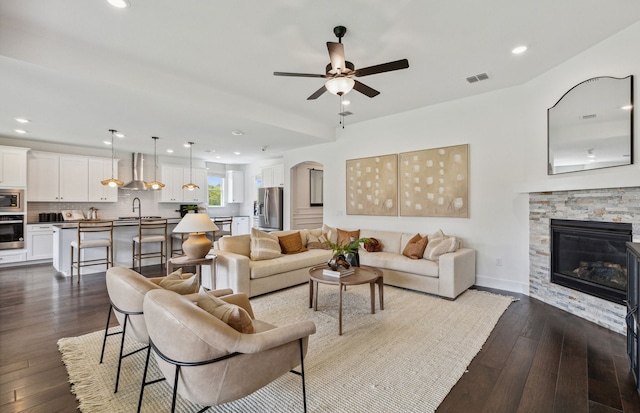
(362, 275)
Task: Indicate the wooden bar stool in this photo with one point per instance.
(178, 239)
(92, 234)
(150, 230)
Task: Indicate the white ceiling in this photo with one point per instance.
(194, 70)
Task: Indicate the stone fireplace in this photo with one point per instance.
(612, 205)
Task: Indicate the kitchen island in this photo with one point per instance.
(123, 232)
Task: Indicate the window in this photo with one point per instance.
(215, 186)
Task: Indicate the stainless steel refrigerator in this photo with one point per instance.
(270, 208)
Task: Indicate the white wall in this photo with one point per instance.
(506, 131)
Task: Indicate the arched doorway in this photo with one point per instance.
(307, 189)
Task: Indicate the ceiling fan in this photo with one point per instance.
(341, 72)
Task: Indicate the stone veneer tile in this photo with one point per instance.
(606, 205)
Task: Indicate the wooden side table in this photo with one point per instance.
(184, 261)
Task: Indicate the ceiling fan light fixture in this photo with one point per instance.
(340, 85)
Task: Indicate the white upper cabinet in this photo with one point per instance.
(235, 187)
(175, 176)
(199, 178)
(53, 177)
(13, 167)
(273, 176)
(99, 170)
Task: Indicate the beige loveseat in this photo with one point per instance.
(447, 275)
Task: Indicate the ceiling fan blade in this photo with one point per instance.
(336, 55)
(365, 90)
(317, 93)
(298, 74)
(385, 67)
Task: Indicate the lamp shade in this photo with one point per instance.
(195, 223)
(340, 85)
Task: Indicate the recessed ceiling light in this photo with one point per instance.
(237, 133)
(170, 150)
(626, 107)
(217, 157)
(236, 153)
(22, 120)
(119, 135)
(121, 4)
(107, 142)
(20, 130)
(519, 50)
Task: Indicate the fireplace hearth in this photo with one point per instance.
(590, 256)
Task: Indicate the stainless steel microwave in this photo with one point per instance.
(12, 200)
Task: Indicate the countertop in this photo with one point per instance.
(116, 223)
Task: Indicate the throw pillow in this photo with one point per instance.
(437, 247)
(330, 233)
(344, 237)
(373, 245)
(264, 246)
(180, 283)
(415, 247)
(291, 244)
(236, 317)
(318, 243)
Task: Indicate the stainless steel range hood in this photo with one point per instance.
(137, 184)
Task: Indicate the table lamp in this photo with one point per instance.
(196, 225)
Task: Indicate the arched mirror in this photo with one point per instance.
(591, 126)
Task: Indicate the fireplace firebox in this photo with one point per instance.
(590, 257)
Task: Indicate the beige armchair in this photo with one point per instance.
(208, 362)
(127, 289)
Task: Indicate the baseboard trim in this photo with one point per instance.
(502, 284)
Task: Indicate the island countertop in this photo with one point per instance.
(128, 222)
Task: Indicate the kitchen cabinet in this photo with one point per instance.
(235, 187)
(175, 176)
(39, 242)
(13, 167)
(273, 176)
(99, 170)
(57, 178)
(10, 256)
(240, 226)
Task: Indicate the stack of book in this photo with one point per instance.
(339, 273)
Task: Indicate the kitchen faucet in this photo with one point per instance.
(133, 209)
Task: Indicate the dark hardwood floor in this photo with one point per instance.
(538, 358)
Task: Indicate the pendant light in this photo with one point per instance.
(112, 182)
(190, 186)
(155, 184)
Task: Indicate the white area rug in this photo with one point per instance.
(403, 359)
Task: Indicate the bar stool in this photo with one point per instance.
(86, 239)
(150, 230)
(224, 225)
(179, 239)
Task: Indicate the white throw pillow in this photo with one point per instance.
(439, 244)
(264, 246)
(180, 283)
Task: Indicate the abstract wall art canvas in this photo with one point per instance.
(435, 182)
(372, 185)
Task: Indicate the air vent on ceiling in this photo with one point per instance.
(477, 78)
(345, 113)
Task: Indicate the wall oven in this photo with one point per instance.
(12, 229)
(11, 200)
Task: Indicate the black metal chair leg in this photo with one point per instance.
(304, 390)
(144, 378)
(175, 390)
(124, 331)
(104, 342)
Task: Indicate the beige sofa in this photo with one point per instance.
(447, 277)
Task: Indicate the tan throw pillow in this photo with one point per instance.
(291, 244)
(317, 243)
(330, 233)
(344, 237)
(236, 317)
(180, 283)
(415, 247)
(437, 247)
(264, 246)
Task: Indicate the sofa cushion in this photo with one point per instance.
(330, 232)
(390, 240)
(415, 247)
(236, 317)
(180, 283)
(344, 237)
(264, 246)
(398, 262)
(291, 244)
(238, 244)
(291, 262)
